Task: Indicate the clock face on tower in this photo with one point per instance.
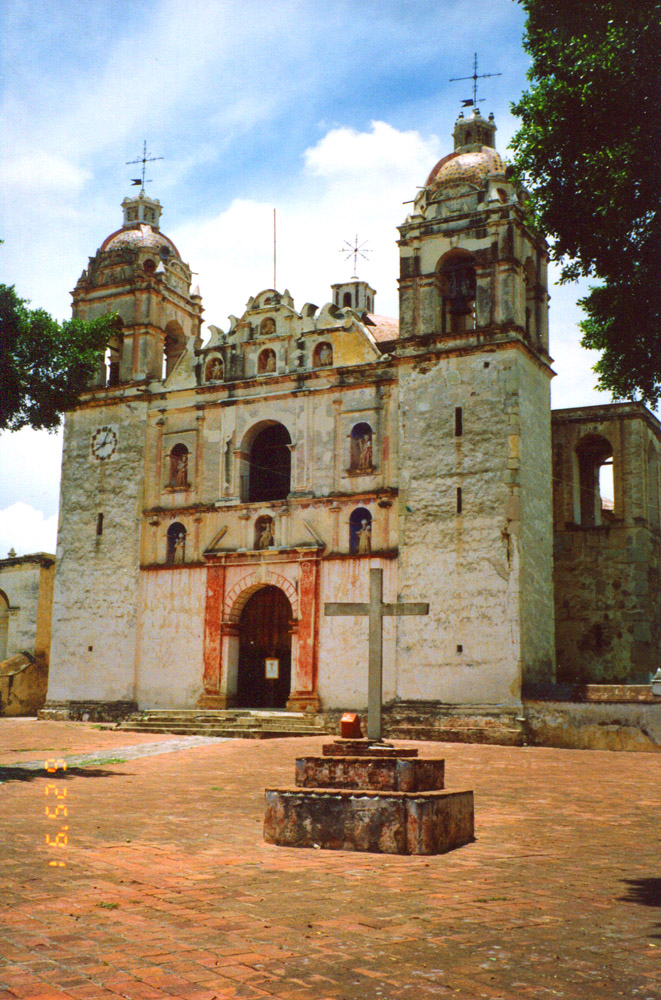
(104, 443)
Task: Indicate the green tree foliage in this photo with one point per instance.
(589, 150)
(44, 365)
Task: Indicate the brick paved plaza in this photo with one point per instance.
(169, 891)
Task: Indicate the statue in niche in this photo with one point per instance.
(179, 468)
(215, 370)
(267, 328)
(364, 463)
(265, 539)
(325, 355)
(364, 536)
(179, 555)
(266, 362)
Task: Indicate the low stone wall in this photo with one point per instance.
(594, 725)
(88, 711)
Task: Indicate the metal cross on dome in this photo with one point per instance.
(355, 250)
(144, 160)
(475, 77)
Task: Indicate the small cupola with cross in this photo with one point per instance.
(475, 131)
(355, 294)
(141, 210)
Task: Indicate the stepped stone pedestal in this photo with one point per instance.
(363, 796)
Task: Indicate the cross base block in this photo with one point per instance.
(366, 820)
(379, 774)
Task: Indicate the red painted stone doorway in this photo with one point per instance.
(264, 633)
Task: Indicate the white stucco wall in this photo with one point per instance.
(170, 645)
(96, 582)
(343, 642)
(464, 563)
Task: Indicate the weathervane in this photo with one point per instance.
(475, 77)
(355, 250)
(144, 160)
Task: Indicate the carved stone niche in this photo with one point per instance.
(178, 466)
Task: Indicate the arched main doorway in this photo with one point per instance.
(264, 634)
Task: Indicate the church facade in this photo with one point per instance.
(216, 494)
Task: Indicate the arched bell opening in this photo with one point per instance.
(111, 367)
(174, 344)
(265, 648)
(457, 285)
(595, 494)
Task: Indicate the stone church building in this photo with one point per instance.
(215, 494)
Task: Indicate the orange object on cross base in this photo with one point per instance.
(350, 726)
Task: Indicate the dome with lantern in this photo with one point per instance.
(140, 228)
(474, 158)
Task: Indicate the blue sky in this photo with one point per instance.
(328, 110)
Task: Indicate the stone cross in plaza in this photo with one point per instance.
(376, 609)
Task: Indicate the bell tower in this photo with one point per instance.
(138, 273)
(475, 438)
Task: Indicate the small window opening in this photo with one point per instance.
(460, 648)
(346, 299)
(458, 422)
(360, 531)
(459, 500)
(99, 524)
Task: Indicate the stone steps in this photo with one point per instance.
(242, 724)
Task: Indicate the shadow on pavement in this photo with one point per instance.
(18, 773)
(644, 892)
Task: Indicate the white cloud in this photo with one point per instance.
(349, 182)
(26, 530)
(44, 170)
(30, 469)
(344, 153)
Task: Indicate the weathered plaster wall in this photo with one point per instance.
(26, 582)
(170, 637)
(632, 727)
(465, 564)
(343, 642)
(607, 575)
(96, 583)
(532, 499)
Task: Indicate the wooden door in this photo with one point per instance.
(264, 634)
